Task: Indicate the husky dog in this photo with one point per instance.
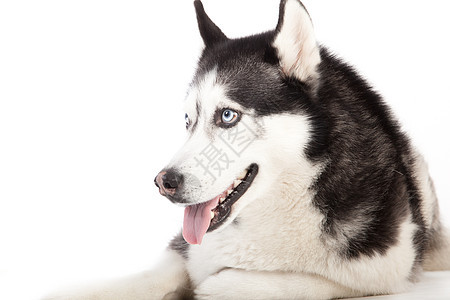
(297, 181)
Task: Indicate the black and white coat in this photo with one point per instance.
(342, 204)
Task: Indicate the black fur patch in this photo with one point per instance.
(198, 109)
(179, 245)
(210, 33)
(369, 164)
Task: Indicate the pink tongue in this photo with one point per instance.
(197, 219)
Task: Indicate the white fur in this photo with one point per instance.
(429, 205)
(380, 274)
(206, 134)
(296, 44)
(279, 162)
(266, 240)
(269, 285)
(437, 258)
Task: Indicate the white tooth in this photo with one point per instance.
(212, 215)
(229, 192)
(242, 175)
(237, 182)
(221, 199)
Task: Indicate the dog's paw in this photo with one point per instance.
(108, 292)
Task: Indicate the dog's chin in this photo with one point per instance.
(216, 213)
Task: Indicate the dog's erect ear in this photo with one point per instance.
(295, 42)
(209, 31)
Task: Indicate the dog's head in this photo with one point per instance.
(247, 119)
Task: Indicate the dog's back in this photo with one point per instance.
(373, 179)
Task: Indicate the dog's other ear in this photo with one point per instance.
(295, 42)
(211, 34)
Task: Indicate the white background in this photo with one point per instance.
(90, 110)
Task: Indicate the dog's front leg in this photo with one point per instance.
(168, 280)
(241, 284)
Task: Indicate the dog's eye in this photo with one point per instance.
(229, 116)
(188, 122)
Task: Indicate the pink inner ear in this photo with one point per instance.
(295, 41)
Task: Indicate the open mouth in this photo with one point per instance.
(208, 216)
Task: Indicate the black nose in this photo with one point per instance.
(168, 181)
(172, 179)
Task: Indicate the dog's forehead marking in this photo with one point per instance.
(196, 97)
(206, 95)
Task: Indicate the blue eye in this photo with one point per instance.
(229, 116)
(186, 118)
